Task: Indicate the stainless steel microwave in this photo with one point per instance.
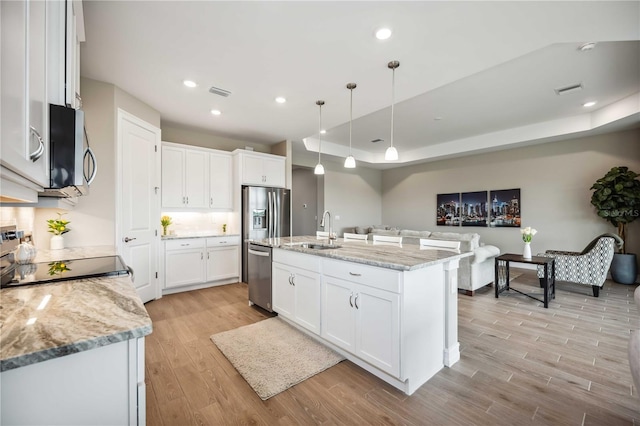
(72, 164)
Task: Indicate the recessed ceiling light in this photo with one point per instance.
(215, 112)
(280, 100)
(189, 83)
(383, 33)
(323, 131)
(587, 46)
(589, 104)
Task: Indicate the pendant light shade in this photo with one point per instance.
(319, 170)
(392, 153)
(350, 161)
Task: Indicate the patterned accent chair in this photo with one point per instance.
(588, 267)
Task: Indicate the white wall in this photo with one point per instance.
(355, 195)
(554, 179)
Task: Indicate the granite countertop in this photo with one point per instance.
(405, 257)
(47, 321)
(204, 234)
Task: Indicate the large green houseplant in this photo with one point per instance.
(616, 197)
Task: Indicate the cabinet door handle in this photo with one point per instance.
(187, 200)
(354, 274)
(185, 244)
(208, 253)
(210, 201)
(202, 258)
(35, 155)
(293, 280)
(351, 299)
(290, 283)
(356, 301)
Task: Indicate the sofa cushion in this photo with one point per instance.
(391, 232)
(416, 234)
(468, 241)
(362, 229)
(485, 252)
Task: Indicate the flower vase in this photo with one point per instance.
(57, 242)
(526, 253)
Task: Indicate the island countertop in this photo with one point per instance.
(404, 257)
(47, 321)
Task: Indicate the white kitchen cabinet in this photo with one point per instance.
(98, 386)
(362, 319)
(296, 289)
(23, 107)
(65, 32)
(184, 177)
(184, 262)
(261, 169)
(222, 258)
(220, 183)
(191, 263)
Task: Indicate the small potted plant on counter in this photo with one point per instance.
(165, 221)
(58, 227)
(616, 197)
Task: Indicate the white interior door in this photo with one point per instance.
(139, 201)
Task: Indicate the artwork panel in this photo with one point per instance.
(448, 209)
(505, 208)
(474, 209)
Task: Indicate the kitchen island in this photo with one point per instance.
(391, 309)
(72, 352)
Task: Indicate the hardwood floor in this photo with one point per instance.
(520, 364)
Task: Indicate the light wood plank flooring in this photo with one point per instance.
(521, 364)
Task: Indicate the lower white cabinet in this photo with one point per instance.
(184, 262)
(99, 386)
(199, 262)
(364, 321)
(296, 289)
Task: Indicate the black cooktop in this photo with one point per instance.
(72, 269)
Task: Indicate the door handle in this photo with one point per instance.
(35, 155)
(351, 299)
(127, 239)
(355, 302)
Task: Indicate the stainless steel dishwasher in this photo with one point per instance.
(259, 276)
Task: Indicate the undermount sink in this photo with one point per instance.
(319, 246)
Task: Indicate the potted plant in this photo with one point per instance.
(616, 197)
(58, 227)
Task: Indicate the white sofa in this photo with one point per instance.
(474, 272)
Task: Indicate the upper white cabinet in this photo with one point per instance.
(24, 131)
(220, 174)
(64, 33)
(261, 169)
(196, 178)
(184, 177)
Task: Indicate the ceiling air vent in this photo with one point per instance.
(568, 89)
(219, 91)
(377, 140)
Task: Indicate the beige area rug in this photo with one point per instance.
(273, 356)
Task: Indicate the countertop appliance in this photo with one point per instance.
(266, 213)
(259, 279)
(72, 166)
(72, 269)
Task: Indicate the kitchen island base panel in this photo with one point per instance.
(93, 387)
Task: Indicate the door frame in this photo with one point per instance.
(122, 114)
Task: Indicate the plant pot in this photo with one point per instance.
(57, 242)
(624, 268)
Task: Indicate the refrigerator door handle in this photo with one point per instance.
(270, 216)
(276, 216)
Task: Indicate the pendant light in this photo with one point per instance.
(350, 161)
(392, 153)
(319, 170)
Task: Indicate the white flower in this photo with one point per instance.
(527, 234)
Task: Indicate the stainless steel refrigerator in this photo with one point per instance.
(266, 213)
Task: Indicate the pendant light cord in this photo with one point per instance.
(350, 116)
(319, 131)
(393, 99)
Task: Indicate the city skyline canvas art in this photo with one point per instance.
(448, 209)
(474, 210)
(505, 208)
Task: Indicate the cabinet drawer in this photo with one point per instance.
(384, 279)
(232, 240)
(299, 260)
(187, 243)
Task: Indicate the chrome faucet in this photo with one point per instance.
(332, 236)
